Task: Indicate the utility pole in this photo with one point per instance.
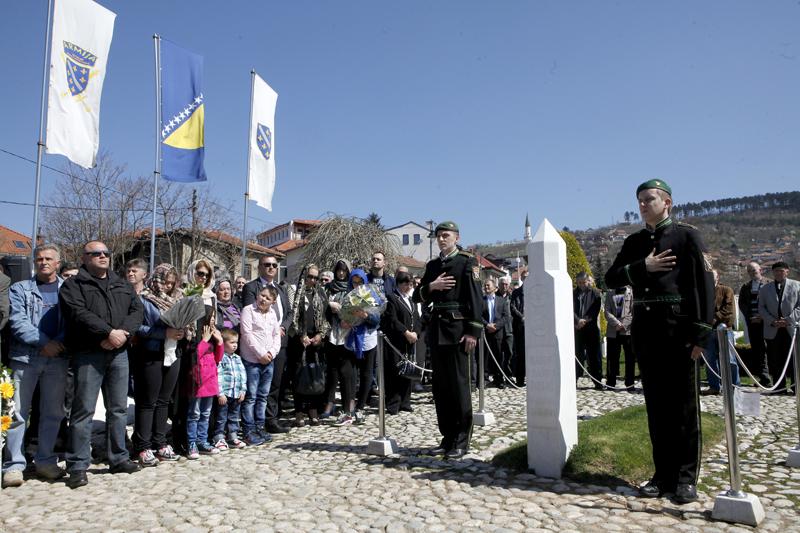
(194, 223)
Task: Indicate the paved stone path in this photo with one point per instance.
(321, 479)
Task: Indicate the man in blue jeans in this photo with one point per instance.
(37, 357)
(101, 311)
(723, 315)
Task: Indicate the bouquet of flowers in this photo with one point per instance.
(6, 401)
(366, 298)
(185, 312)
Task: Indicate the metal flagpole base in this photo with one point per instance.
(382, 446)
(793, 459)
(483, 418)
(740, 509)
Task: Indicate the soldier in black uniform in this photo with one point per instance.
(452, 283)
(673, 291)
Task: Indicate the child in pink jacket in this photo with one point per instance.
(206, 387)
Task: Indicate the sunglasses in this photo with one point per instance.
(269, 265)
(200, 274)
(312, 277)
(99, 253)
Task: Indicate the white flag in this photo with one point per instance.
(261, 180)
(82, 32)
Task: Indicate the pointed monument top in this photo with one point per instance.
(546, 232)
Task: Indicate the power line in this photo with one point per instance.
(26, 159)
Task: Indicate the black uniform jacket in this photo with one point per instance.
(456, 311)
(397, 319)
(684, 294)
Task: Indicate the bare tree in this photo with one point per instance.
(350, 238)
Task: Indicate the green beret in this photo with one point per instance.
(447, 225)
(654, 184)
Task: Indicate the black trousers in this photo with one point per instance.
(340, 371)
(587, 348)
(758, 352)
(451, 395)
(493, 366)
(398, 388)
(613, 347)
(519, 352)
(777, 351)
(303, 403)
(274, 399)
(670, 380)
(154, 385)
(365, 367)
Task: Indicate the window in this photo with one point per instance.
(20, 244)
(405, 239)
(417, 238)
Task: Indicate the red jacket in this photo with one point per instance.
(205, 372)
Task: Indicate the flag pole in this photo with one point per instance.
(157, 171)
(40, 144)
(247, 178)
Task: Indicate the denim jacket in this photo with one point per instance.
(26, 312)
(152, 332)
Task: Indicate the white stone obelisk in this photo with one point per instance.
(549, 354)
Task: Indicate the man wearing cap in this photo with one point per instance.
(452, 284)
(779, 307)
(673, 296)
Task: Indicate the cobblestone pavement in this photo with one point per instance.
(321, 479)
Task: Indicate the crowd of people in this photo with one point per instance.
(226, 381)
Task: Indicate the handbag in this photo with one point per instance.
(406, 368)
(310, 377)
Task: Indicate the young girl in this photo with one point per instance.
(261, 342)
(206, 388)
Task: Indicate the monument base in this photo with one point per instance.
(793, 459)
(745, 509)
(483, 418)
(382, 447)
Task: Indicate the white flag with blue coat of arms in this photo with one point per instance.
(261, 179)
(82, 31)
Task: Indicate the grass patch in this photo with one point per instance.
(612, 448)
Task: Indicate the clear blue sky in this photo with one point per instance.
(473, 111)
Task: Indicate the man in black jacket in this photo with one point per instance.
(518, 323)
(267, 274)
(496, 316)
(586, 301)
(101, 312)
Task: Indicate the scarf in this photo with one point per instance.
(155, 295)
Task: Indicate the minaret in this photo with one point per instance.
(527, 236)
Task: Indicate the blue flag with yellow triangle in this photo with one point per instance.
(182, 114)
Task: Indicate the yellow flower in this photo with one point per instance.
(5, 422)
(6, 391)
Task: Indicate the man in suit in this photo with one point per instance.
(504, 290)
(496, 316)
(518, 323)
(748, 303)
(779, 307)
(586, 302)
(267, 274)
(619, 315)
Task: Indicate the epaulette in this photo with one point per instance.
(465, 253)
(686, 225)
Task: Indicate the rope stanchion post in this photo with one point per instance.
(733, 505)
(482, 417)
(381, 445)
(793, 460)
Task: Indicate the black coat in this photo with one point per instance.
(594, 301)
(90, 312)
(397, 319)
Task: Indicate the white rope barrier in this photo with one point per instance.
(405, 358)
(505, 377)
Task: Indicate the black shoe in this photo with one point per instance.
(417, 387)
(125, 467)
(77, 479)
(456, 453)
(709, 392)
(273, 426)
(501, 384)
(520, 382)
(407, 409)
(650, 490)
(685, 493)
(439, 450)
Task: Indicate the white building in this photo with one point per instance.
(413, 240)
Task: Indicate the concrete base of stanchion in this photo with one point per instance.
(483, 418)
(745, 509)
(382, 447)
(793, 459)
